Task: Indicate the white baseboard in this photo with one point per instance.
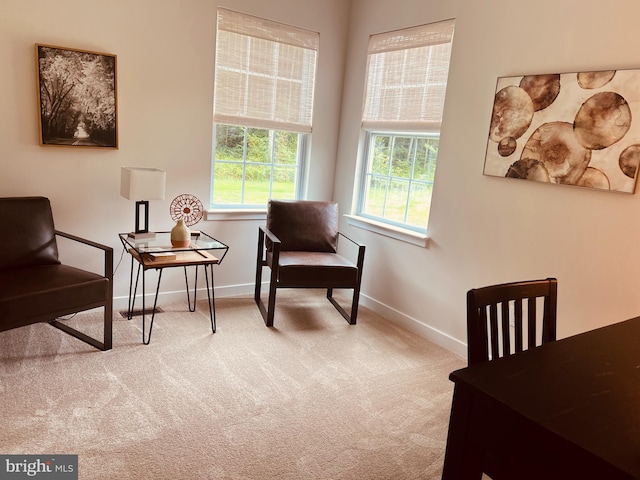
(121, 303)
(425, 331)
(419, 328)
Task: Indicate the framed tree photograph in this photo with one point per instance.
(77, 97)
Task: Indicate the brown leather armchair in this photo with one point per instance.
(299, 244)
(34, 285)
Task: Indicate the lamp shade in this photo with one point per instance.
(139, 183)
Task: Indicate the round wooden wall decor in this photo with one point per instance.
(186, 207)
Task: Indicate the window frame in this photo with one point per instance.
(367, 154)
(262, 65)
(376, 119)
(300, 168)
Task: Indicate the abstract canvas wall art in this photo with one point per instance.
(580, 129)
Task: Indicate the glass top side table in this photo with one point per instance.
(157, 253)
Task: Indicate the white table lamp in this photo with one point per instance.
(142, 184)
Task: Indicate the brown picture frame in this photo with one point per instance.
(77, 97)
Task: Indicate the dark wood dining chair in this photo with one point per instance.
(510, 317)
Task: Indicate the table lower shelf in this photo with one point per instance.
(183, 259)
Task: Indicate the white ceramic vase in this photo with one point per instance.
(180, 235)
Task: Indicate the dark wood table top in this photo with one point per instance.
(585, 389)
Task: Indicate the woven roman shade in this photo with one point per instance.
(407, 74)
(264, 74)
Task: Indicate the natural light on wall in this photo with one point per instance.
(406, 82)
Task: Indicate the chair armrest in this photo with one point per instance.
(352, 241)
(263, 250)
(84, 240)
(270, 235)
(361, 249)
(264, 231)
(108, 251)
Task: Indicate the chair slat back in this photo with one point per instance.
(506, 318)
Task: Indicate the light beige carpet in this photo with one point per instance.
(312, 398)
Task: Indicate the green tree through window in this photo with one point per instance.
(252, 165)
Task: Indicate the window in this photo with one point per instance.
(407, 74)
(400, 177)
(263, 102)
(252, 165)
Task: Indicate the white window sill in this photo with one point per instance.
(236, 214)
(380, 228)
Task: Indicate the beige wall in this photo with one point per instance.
(165, 55)
(483, 229)
(488, 230)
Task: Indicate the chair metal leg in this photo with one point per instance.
(107, 342)
(260, 263)
(258, 287)
(271, 307)
(351, 319)
(106, 345)
(268, 311)
(258, 290)
(354, 305)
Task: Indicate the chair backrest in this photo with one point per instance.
(304, 225)
(507, 318)
(28, 234)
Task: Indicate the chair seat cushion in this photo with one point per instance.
(315, 269)
(43, 293)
